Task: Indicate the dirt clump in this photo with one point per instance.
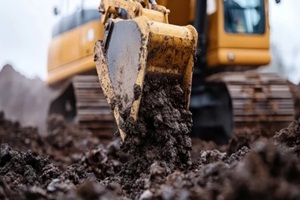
(162, 130)
(20, 138)
(246, 137)
(289, 138)
(29, 176)
(161, 133)
(59, 165)
(264, 173)
(67, 142)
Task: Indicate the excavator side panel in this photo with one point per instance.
(71, 53)
(180, 11)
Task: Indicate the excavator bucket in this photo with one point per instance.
(135, 48)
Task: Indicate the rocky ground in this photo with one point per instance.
(70, 163)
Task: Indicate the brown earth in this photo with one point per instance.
(69, 163)
(155, 162)
(33, 167)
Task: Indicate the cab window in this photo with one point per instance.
(244, 16)
(74, 13)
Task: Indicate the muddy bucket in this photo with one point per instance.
(138, 47)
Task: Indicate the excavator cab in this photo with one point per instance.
(238, 34)
(232, 33)
(228, 93)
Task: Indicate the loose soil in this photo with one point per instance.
(160, 137)
(157, 161)
(70, 163)
(32, 168)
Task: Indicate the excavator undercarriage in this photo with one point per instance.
(231, 101)
(82, 101)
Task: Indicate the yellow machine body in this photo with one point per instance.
(236, 49)
(225, 49)
(137, 40)
(72, 52)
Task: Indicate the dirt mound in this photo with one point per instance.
(264, 173)
(289, 138)
(246, 137)
(25, 175)
(55, 165)
(162, 130)
(69, 163)
(64, 143)
(23, 99)
(21, 138)
(161, 133)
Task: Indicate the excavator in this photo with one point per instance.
(215, 61)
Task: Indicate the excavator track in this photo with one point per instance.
(93, 111)
(259, 100)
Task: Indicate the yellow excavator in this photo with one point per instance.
(215, 62)
(71, 67)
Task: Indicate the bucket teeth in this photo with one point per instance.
(133, 48)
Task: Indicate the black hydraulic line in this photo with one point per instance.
(200, 23)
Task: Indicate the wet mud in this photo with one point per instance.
(159, 139)
(161, 132)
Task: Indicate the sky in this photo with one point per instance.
(285, 40)
(25, 33)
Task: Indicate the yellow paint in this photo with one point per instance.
(239, 57)
(245, 47)
(67, 50)
(72, 52)
(68, 70)
(180, 11)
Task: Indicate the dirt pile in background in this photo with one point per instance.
(64, 143)
(23, 99)
(21, 138)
